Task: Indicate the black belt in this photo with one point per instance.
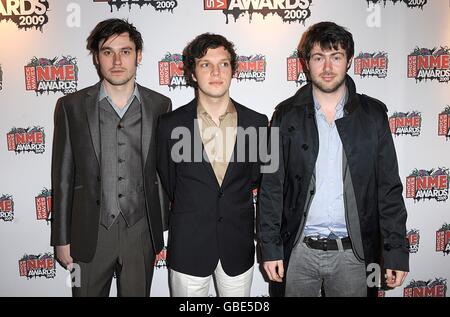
(327, 244)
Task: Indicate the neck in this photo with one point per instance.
(329, 100)
(119, 93)
(215, 106)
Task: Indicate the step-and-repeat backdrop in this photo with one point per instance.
(401, 57)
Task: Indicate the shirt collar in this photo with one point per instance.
(230, 109)
(104, 94)
(340, 105)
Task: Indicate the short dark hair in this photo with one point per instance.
(198, 48)
(328, 35)
(110, 27)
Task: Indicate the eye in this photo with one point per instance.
(225, 64)
(204, 65)
(317, 59)
(106, 53)
(126, 52)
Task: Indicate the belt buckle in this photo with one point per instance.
(325, 245)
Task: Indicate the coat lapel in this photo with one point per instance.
(147, 122)
(92, 115)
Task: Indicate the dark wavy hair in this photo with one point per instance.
(328, 35)
(199, 47)
(107, 28)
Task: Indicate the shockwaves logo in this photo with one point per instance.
(409, 3)
(171, 71)
(161, 259)
(408, 123)
(6, 207)
(436, 288)
(43, 203)
(26, 140)
(423, 184)
(288, 10)
(444, 123)
(25, 13)
(159, 5)
(295, 70)
(413, 237)
(251, 67)
(42, 265)
(426, 64)
(443, 239)
(45, 75)
(371, 65)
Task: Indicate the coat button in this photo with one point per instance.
(220, 194)
(97, 202)
(305, 147)
(98, 179)
(120, 195)
(312, 192)
(220, 219)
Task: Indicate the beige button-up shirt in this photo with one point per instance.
(218, 141)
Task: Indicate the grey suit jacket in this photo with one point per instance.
(76, 173)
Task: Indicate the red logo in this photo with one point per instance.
(215, 4)
(43, 204)
(408, 123)
(423, 184)
(6, 207)
(444, 123)
(251, 67)
(26, 140)
(436, 288)
(443, 239)
(52, 75)
(426, 64)
(295, 70)
(42, 265)
(161, 259)
(413, 237)
(171, 71)
(371, 65)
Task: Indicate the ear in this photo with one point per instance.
(349, 64)
(139, 56)
(193, 77)
(96, 59)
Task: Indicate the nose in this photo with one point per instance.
(327, 65)
(215, 70)
(117, 59)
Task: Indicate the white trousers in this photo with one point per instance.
(184, 285)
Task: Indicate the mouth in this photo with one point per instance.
(117, 71)
(328, 77)
(216, 83)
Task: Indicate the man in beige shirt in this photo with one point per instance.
(210, 177)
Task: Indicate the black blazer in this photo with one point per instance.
(76, 178)
(208, 222)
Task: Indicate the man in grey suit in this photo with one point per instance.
(108, 213)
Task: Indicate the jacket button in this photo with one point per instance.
(97, 202)
(220, 219)
(120, 195)
(120, 126)
(305, 147)
(312, 192)
(220, 194)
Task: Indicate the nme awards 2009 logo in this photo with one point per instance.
(159, 5)
(444, 123)
(436, 288)
(26, 140)
(408, 123)
(6, 207)
(443, 239)
(251, 67)
(43, 203)
(161, 259)
(42, 265)
(288, 10)
(295, 71)
(409, 3)
(429, 64)
(25, 13)
(45, 75)
(423, 184)
(413, 237)
(171, 71)
(371, 65)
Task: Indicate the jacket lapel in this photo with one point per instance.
(93, 118)
(147, 122)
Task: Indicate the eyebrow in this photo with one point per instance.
(104, 48)
(334, 53)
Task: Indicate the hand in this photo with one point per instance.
(395, 278)
(63, 255)
(274, 270)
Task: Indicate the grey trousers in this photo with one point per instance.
(126, 253)
(338, 273)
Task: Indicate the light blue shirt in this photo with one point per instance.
(327, 211)
(120, 111)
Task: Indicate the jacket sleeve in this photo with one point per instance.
(271, 196)
(62, 178)
(165, 165)
(391, 206)
(163, 197)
